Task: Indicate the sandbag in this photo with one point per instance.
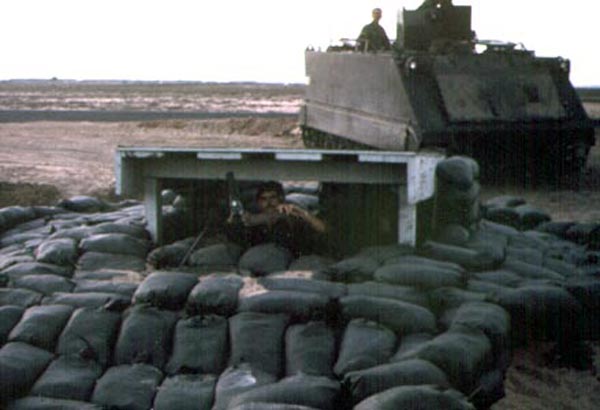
(509, 201)
(462, 355)
(530, 271)
(236, 380)
(502, 277)
(145, 336)
(364, 344)
(45, 403)
(310, 391)
(325, 288)
(419, 276)
(186, 392)
(133, 230)
(11, 315)
(364, 383)
(20, 366)
(453, 234)
(456, 206)
(488, 288)
(62, 251)
(83, 203)
(257, 339)
(19, 297)
(351, 270)
(416, 398)
(503, 216)
(45, 284)
(557, 228)
(300, 306)
(468, 258)
(458, 171)
(401, 317)
(220, 257)
(492, 228)
(581, 233)
(128, 387)
(90, 333)
(492, 320)
(91, 261)
(111, 301)
(14, 215)
(384, 290)
(529, 255)
(446, 298)
(168, 290)
(13, 257)
(270, 406)
(530, 216)
(68, 377)
(199, 346)
(115, 243)
(561, 267)
(40, 326)
(215, 294)
(383, 253)
(76, 233)
(113, 275)
(530, 239)
(169, 255)
(310, 349)
(310, 263)
(488, 243)
(37, 268)
(541, 313)
(410, 342)
(27, 239)
(264, 259)
(105, 286)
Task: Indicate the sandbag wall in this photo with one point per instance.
(384, 328)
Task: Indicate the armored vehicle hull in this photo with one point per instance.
(506, 107)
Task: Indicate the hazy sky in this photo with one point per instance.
(251, 40)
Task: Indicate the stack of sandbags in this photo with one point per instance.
(379, 329)
(457, 207)
(515, 212)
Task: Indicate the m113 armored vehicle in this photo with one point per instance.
(441, 88)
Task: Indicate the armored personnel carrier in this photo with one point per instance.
(440, 88)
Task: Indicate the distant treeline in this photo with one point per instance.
(589, 94)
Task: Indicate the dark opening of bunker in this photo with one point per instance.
(356, 215)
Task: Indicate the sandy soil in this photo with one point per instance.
(41, 162)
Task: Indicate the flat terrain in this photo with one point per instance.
(44, 161)
(76, 157)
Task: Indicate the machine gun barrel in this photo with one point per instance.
(236, 206)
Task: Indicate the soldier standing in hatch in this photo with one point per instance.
(373, 36)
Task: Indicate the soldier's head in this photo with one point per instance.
(376, 13)
(269, 195)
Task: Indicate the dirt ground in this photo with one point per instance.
(42, 162)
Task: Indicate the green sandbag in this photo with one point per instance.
(416, 398)
(401, 317)
(462, 354)
(364, 344)
(364, 383)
